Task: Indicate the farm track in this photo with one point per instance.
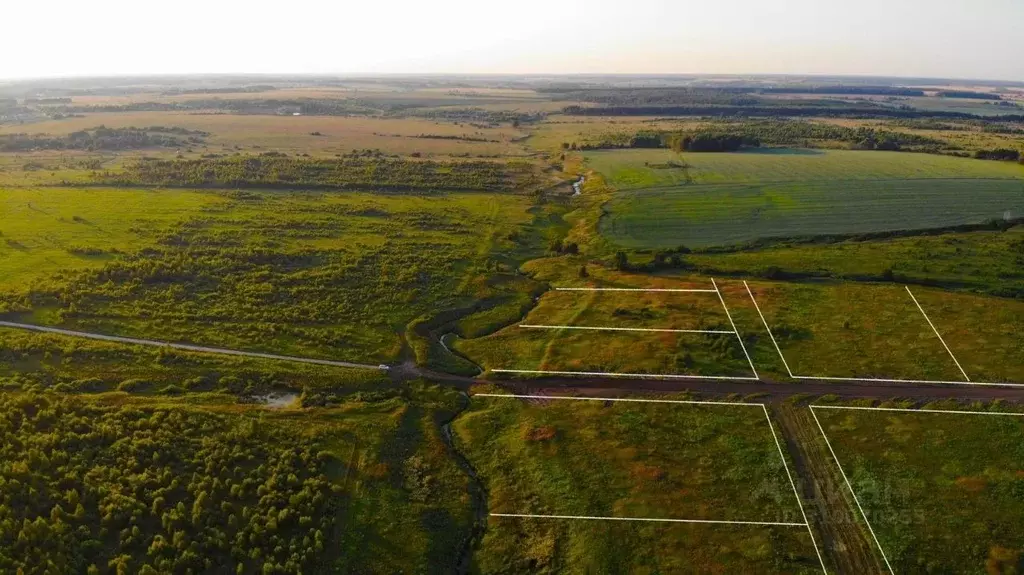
(846, 546)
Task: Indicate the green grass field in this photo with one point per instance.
(876, 331)
(985, 261)
(721, 199)
(561, 457)
(641, 169)
(941, 491)
(515, 347)
(47, 230)
(328, 274)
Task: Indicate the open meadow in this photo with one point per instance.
(632, 460)
(306, 273)
(877, 331)
(941, 491)
(576, 326)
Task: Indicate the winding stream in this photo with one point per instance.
(478, 496)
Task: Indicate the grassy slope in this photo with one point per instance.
(629, 460)
(942, 491)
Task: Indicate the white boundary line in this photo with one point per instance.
(770, 334)
(597, 328)
(869, 379)
(623, 399)
(907, 410)
(532, 516)
(931, 381)
(636, 375)
(796, 492)
(636, 289)
(852, 492)
(736, 331)
(771, 427)
(937, 334)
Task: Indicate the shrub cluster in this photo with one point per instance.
(89, 489)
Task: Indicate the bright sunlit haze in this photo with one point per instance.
(929, 38)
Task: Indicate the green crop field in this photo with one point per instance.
(711, 215)
(941, 491)
(639, 169)
(594, 458)
(701, 200)
(984, 261)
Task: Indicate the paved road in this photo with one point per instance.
(183, 346)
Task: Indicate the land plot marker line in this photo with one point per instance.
(587, 517)
(925, 381)
(599, 328)
(872, 379)
(957, 412)
(622, 399)
(937, 333)
(636, 289)
(736, 331)
(796, 492)
(636, 375)
(770, 334)
(852, 492)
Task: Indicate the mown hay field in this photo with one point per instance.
(595, 458)
(942, 491)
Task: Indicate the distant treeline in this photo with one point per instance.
(772, 133)
(703, 141)
(868, 112)
(102, 138)
(314, 107)
(228, 90)
(847, 90)
(47, 100)
(349, 172)
(969, 94)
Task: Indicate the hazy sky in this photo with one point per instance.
(947, 38)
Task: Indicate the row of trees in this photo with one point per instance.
(102, 138)
(858, 111)
(349, 172)
(736, 135)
